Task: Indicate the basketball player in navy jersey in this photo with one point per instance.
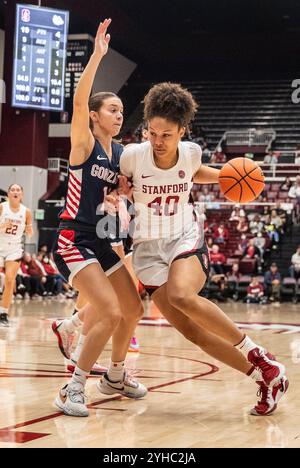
(85, 258)
(15, 221)
(170, 256)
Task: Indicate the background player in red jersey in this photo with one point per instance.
(15, 221)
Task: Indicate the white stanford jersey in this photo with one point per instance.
(14, 234)
(161, 196)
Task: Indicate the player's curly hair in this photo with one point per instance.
(172, 102)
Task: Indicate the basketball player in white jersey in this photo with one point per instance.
(15, 221)
(170, 256)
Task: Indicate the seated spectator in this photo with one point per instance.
(206, 154)
(294, 269)
(222, 292)
(52, 273)
(235, 271)
(60, 282)
(260, 242)
(271, 157)
(237, 213)
(265, 214)
(217, 260)
(221, 234)
(242, 244)
(255, 292)
(31, 270)
(251, 250)
(209, 243)
(286, 185)
(49, 280)
(23, 285)
(272, 282)
(243, 225)
(276, 220)
(256, 225)
(195, 193)
(273, 234)
(205, 196)
(218, 157)
(280, 211)
(294, 191)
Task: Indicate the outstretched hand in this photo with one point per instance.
(102, 39)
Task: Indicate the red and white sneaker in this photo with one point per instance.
(65, 339)
(97, 369)
(270, 397)
(271, 370)
(128, 386)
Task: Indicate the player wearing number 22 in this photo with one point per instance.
(15, 221)
(170, 255)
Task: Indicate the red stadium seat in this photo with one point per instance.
(247, 266)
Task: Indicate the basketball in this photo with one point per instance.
(241, 180)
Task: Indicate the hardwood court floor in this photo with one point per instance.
(194, 401)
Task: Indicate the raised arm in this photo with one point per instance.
(82, 140)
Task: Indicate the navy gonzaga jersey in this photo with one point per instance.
(87, 182)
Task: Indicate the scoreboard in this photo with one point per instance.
(39, 58)
(79, 50)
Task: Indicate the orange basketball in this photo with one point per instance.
(241, 180)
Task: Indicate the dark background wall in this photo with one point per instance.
(169, 40)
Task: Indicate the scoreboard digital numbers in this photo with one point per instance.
(79, 51)
(39, 58)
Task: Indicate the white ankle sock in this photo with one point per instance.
(76, 320)
(116, 371)
(79, 376)
(76, 354)
(72, 323)
(246, 345)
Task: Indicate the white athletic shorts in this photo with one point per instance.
(10, 252)
(152, 259)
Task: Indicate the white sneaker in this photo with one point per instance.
(128, 387)
(71, 400)
(64, 338)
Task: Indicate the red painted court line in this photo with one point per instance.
(34, 364)
(33, 370)
(162, 391)
(109, 409)
(213, 369)
(20, 437)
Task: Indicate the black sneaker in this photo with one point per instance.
(4, 320)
